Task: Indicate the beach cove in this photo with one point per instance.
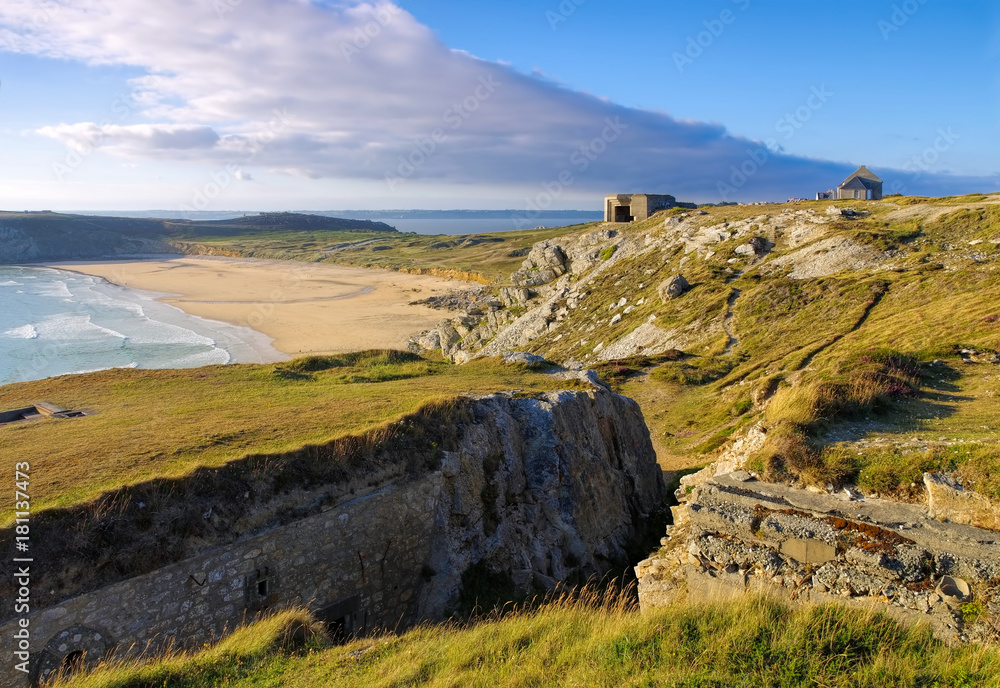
(305, 308)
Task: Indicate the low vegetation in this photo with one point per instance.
(582, 639)
(166, 423)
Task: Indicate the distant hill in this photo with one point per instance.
(47, 236)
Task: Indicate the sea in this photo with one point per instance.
(55, 322)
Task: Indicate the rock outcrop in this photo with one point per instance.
(543, 490)
(735, 535)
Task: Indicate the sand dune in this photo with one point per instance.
(304, 307)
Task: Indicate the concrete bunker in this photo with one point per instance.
(635, 207)
(38, 411)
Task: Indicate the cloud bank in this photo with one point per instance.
(364, 91)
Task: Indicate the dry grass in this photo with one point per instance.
(591, 639)
(166, 423)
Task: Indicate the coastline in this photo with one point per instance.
(289, 307)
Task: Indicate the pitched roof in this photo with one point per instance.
(863, 173)
(860, 183)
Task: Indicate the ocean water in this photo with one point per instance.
(54, 322)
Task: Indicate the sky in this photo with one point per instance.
(552, 104)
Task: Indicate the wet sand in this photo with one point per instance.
(304, 307)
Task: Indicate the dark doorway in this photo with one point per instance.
(72, 663)
(341, 619)
(623, 213)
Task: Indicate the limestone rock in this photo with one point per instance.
(672, 287)
(948, 501)
(545, 263)
(514, 296)
(523, 358)
(755, 248)
(549, 488)
(448, 336)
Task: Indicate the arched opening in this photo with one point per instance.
(72, 663)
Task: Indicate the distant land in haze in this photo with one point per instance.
(402, 214)
(46, 236)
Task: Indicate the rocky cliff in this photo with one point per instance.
(733, 534)
(543, 490)
(531, 490)
(80, 240)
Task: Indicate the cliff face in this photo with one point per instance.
(371, 533)
(543, 490)
(17, 245)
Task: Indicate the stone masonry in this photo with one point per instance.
(540, 489)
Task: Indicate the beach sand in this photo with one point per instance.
(305, 307)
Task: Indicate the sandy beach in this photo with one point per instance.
(304, 307)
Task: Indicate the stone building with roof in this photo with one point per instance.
(862, 185)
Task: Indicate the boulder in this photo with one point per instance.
(755, 248)
(545, 263)
(672, 287)
(523, 358)
(948, 501)
(515, 296)
(430, 340)
(448, 336)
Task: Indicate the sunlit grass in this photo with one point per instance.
(590, 639)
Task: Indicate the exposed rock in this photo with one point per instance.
(672, 287)
(826, 257)
(545, 263)
(523, 358)
(430, 340)
(755, 248)
(948, 501)
(514, 296)
(543, 489)
(617, 319)
(735, 536)
(973, 356)
(448, 336)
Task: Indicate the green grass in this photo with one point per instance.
(487, 258)
(587, 640)
(165, 423)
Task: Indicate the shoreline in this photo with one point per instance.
(300, 308)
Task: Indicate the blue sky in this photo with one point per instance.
(282, 104)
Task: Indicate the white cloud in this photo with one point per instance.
(362, 91)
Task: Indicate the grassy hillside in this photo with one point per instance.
(586, 641)
(845, 336)
(486, 257)
(47, 236)
(166, 423)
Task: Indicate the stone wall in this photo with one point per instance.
(365, 554)
(735, 535)
(539, 490)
